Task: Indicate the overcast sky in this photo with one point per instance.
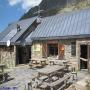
(12, 10)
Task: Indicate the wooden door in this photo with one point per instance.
(89, 58)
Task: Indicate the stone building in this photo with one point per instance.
(64, 37)
(58, 37)
(19, 50)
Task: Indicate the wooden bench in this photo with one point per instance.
(62, 81)
(35, 65)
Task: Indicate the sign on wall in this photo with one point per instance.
(36, 47)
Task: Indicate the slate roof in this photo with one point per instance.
(63, 26)
(10, 33)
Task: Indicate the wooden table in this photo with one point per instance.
(50, 69)
(2, 66)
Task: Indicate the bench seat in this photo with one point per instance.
(59, 81)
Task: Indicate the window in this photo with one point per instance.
(36, 47)
(52, 49)
(73, 48)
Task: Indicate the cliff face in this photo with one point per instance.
(51, 7)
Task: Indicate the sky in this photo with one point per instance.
(12, 10)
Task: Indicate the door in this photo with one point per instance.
(83, 56)
(89, 58)
(23, 54)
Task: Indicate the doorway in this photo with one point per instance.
(83, 56)
(23, 54)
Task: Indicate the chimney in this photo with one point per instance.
(18, 27)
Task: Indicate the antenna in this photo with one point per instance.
(38, 10)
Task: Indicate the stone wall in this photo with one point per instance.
(67, 53)
(8, 56)
(68, 56)
(36, 51)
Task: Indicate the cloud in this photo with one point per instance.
(25, 4)
(14, 2)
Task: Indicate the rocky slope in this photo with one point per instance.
(51, 7)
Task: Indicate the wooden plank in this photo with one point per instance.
(83, 59)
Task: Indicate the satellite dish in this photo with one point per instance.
(8, 43)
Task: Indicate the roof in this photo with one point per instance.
(11, 33)
(64, 26)
(28, 40)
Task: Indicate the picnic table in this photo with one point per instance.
(37, 63)
(38, 60)
(50, 69)
(2, 73)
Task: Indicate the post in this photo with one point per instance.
(30, 86)
(67, 3)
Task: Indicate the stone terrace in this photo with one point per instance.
(23, 74)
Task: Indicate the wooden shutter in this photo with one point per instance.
(44, 50)
(61, 51)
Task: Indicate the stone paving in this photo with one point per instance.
(23, 74)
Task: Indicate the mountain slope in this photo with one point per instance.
(51, 7)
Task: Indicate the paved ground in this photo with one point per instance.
(23, 74)
(83, 74)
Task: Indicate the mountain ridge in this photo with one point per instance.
(52, 7)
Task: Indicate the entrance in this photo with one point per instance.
(23, 54)
(83, 56)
